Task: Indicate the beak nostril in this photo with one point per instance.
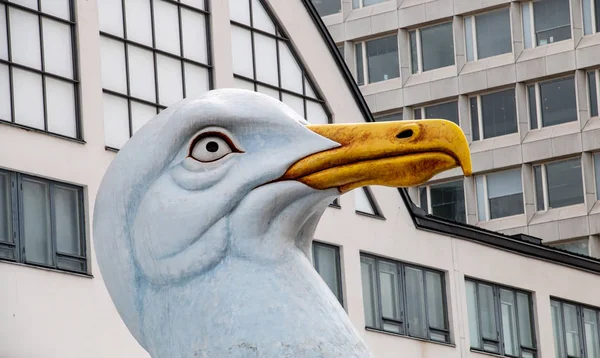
(405, 134)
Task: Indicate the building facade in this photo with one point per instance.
(78, 78)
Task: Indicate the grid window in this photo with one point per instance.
(396, 116)
(265, 61)
(446, 200)
(39, 81)
(356, 4)
(381, 58)
(448, 111)
(431, 47)
(546, 22)
(488, 34)
(552, 102)
(153, 53)
(493, 114)
(41, 222)
(591, 16)
(404, 299)
(327, 7)
(364, 202)
(593, 91)
(597, 174)
(499, 194)
(326, 259)
(558, 184)
(500, 320)
(576, 332)
(578, 246)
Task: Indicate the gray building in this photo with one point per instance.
(521, 78)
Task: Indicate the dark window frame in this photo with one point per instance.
(401, 267)
(477, 123)
(75, 81)
(415, 42)
(18, 242)
(475, 39)
(535, 108)
(580, 323)
(544, 191)
(338, 266)
(126, 42)
(427, 199)
(376, 209)
(497, 309)
(363, 75)
(592, 80)
(420, 111)
(333, 13)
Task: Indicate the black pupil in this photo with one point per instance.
(212, 146)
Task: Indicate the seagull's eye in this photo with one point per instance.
(210, 148)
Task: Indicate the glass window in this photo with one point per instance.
(446, 200)
(575, 328)
(593, 92)
(597, 174)
(580, 246)
(360, 67)
(531, 99)
(492, 34)
(365, 202)
(448, 111)
(382, 59)
(498, 114)
(557, 105)
(552, 21)
(47, 219)
(363, 3)
(397, 116)
(504, 194)
(474, 112)
(435, 47)
(38, 73)
(565, 184)
(412, 299)
(500, 320)
(327, 7)
(326, 259)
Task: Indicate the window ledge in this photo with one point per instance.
(335, 206)
(545, 50)
(592, 124)
(562, 213)
(71, 273)
(111, 149)
(31, 129)
(370, 329)
(374, 216)
(487, 353)
(567, 128)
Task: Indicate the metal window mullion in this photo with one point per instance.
(20, 214)
(53, 239)
(15, 217)
(181, 52)
(545, 187)
(338, 269)
(597, 89)
(402, 298)
(75, 59)
(128, 77)
(365, 63)
(532, 26)
(478, 314)
(474, 33)
(82, 226)
(10, 74)
(429, 205)
(498, 312)
(279, 76)
(487, 199)
(419, 55)
(426, 318)
(43, 67)
(592, 15)
(154, 58)
(564, 328)
(480, 116)
(517, 322)
(377, 283)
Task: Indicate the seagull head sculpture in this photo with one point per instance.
(204, 220)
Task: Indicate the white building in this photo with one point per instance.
(78, 77)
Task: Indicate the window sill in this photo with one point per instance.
(487, 353)
(556, 214)
(36, 130)
(374, 216)
(111, 149)
(370, 329)
(334, 206)
(80, 274)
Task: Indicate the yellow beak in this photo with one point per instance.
(396, 154)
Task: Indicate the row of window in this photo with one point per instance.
(410, 300)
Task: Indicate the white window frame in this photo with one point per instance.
(589, 91)
(538, 101)
(545, 183)
(532, 37)
(480, 111)
(592, 10)
(428, 193)
(420, 47)
(487, 199)
(363, 46)
(595, 174)
(474, 33)
(361, 4)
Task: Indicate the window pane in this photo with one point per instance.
(70, 264)
(382, 59)
(526, 15)
(525, 326)
(415, 303)
(355, 4)
(58, 57)
(493, 33)
(360, 77)
(112, 59)
(6, 232)
(597, 7)
(116, 121)
(389, 117)
(291, 74)
(423, 199)
(590, 320)
(389, 290)
(367, 269)
(315, 113)
(571, 330)
(472, 309)
(414, 59)
(25, 38)
(68, 224)
(558, 101)
(327, 266)
(552, 21)
(448, 201)
(241, 47)
(140, 115)
(533, 121)
(499, 113)
(3, 34)
(260, 18)
(509, 322)
(327, 7)
(481, 200)
(448, 111)
(239, 11)
(539, 188)
(565, 185)
(265, 52)
(362, 202)
(487, 313)
(578, 246)
(5, 106)
(170, 86)
(469, 38)
(587, 16)
(141, 73)
(505, 193)
(110, 16)
(36, 222)
(593, 95)
(597, 172)
(196, 80)
(435, 300)
(60, 107)
(58, 8)
(166, 27)
(296, 103)
(193, 28)
(29, 100)
(139, 24)
(437, 46)
(474, 118)
(372, 2)
(417, 113)
(557, 327)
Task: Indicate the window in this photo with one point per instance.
(327, 7)
(558, 184)
(153, 53)
(397, 116)
(575, 329)
(493, 114)
(326, 259)
(446, 200)
(591, 16)
(41, 222)
(364, 202)
(265, 61)
(578, 246)
(593, 91)
(545, 22)
(500, 320)
(363, 3)
(552, 102)
(448, 111)
(381, 57)
(431, 47)
(404, 299)
(39, 80)
(341, 49)
(499, 194)
(597, 174)
(488, 34)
